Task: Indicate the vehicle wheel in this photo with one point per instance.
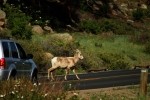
(12, 75)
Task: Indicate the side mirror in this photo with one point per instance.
(29, 56)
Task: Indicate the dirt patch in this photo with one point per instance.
(117, 93)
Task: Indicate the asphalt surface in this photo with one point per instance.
(98, 79)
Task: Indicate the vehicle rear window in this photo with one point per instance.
(5, 49)
(13, 50)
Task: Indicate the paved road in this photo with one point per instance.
(99, 79)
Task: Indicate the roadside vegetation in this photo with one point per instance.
(23, 89)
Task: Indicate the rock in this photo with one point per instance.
(37, 29)
(143, 6)
(48, 55)
(2, 15)
(2, 18)
(48, 29)
(65, 37)
(2, 23)
(130, 21)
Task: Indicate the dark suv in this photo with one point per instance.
(14, 62)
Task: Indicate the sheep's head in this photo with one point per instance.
(78, 53)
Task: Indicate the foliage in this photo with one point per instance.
(115, 61)
(116, 26)
(5, 33)
(106, 25)
(147, 47)
(147, 12)
(138, 14)
(18, 22)
(25, 90)
(90, 26)
(141, 37)
(91, 61)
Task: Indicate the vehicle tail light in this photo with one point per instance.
(2, 63)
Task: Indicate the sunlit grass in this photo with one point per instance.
(120, 45)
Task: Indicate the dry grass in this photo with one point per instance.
(112, 93)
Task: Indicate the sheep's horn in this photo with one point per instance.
(77, 50)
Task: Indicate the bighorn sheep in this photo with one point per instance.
(65, 62)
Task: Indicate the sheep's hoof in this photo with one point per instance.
(65, 79)
(52, 80)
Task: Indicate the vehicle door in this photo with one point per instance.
(26, 64)
(16, 59)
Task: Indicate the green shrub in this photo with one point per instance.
(18, 22)
(147, 12)
(115, 61)
(90, 26)
(142, 37)
(138, 14)
(58, 46)
(147, 47)
(116, 26)
(106, 25)
(5, 34)
(91, 61)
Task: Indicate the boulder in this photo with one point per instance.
(2, 18)
(37, 29)
(143, 6)
(48, 56)
(2, 15)
(65, 37)
(48, 29)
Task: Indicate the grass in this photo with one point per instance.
(23, 89)
(113, 93)
(120, 45)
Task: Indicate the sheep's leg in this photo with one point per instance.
(76, 74)
(67, 71)
(52, 77)
(50, 71)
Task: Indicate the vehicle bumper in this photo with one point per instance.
(3, 74)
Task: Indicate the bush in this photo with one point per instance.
(147, 47)
(90, 26)
(5, 34)
(147, 12)
(57, 46)
(91, 61)
(116, 26)
(106, 25)
(138, 14)
(18, 22)
(115, 61)
(142, 37)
